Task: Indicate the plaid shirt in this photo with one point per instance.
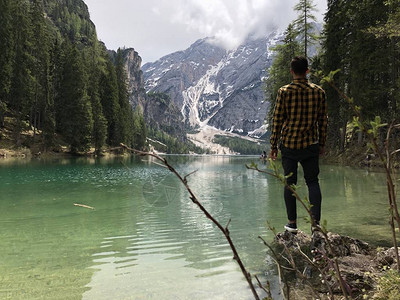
(300, 115)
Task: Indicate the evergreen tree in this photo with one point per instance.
(55, 72)
(41, 73)
(370, 61)
(303, 23)
(109, 101)
(337, 38)
(7, 54)
(390, 30)
(99, 121)
(369, 64)
(124, 115)
(22, 81)
(279, 72)
(139, 129)
(74, 113)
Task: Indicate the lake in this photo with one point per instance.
(144, 239)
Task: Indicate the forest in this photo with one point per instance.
(58, 84)
(361, 40)
(240, 145)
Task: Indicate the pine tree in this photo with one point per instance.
(336, 45)
(390, 31)
(42, 101)
(99, 121)
(369, 65)
(279, 72)
(74, 113)
(7, 54)
(22, 81)
(303, 23)
(109, 100)
(139, 129)
(370, 71)
(125, 112)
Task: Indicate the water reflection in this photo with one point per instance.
(175, 237)
(146, 239)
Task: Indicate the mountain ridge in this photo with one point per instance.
(217, 87)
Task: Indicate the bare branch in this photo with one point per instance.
(267, 290)
(227, 225)
(195, 200)
(394, 152)
(185, 178)
(279, 267)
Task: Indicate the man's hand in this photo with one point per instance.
(273, 154)
(321, 150)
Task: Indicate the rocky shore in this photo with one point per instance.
(362, 267)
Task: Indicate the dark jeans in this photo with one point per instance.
(308, 158)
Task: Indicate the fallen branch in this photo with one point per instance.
(83, 205)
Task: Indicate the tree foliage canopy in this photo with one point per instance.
(57, 79)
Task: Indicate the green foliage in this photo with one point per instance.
(388, 286)
(304, 23)
(369, 62)
(72, 20)
(163, 142)
(139, 130)
(74, 112)
(56, 78)
(22, 80)
(375, 125)
(109, 100)
(161, 98)
(279, 72)
(125, 113)
(391, 28)
(240, 145)
(6, 48)
(330, 77)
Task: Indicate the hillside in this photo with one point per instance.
(58, 81)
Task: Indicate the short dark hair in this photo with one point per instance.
(299, 65)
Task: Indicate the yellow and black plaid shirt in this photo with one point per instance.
(300, 115)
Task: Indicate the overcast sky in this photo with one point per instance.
(155, 28)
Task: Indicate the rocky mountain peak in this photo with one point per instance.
(215, 87)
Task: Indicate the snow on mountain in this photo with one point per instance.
(215, 87)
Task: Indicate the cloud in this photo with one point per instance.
(230, 22)
(159, 27)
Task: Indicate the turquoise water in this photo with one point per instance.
(144, 239)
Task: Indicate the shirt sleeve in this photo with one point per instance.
(277, 121)
(322, 121)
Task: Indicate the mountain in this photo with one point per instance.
(134, 74)
(215, 87)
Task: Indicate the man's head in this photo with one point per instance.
(299, 66)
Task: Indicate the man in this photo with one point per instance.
(299, 126)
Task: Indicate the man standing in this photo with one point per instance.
(299, 127)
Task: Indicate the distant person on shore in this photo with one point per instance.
(263, 155)
(299, 129)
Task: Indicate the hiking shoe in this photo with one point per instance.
(291, 227)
